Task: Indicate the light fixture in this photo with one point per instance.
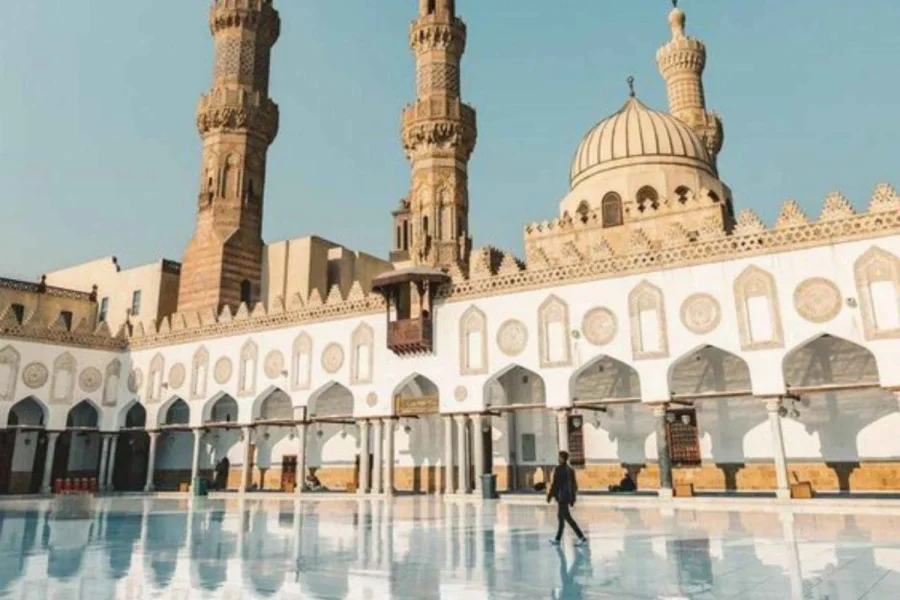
(597, 421)
(406, 426)
(28, 441)
(343, 431)
(486, 425)
(319, 432)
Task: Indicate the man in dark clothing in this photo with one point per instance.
(564, 490)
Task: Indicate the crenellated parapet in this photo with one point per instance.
(258, 16)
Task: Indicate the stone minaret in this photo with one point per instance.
(237, 121)
(439, 135)
(681, 63)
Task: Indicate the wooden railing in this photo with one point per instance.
(410, 336)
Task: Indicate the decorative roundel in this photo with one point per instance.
(222, 370)
(817, 300)
(461, 393)
(701, 313)
(176, 376)
(599, 326)
(372, 399)
(135, 380)
(274, 364)
(90, 379)
(512, 337)
(35, 375)
(332, 358)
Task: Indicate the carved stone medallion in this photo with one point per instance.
(372, 399)
(701, 313)
(35, 375)
(512, 337)
(176, 376)
(599, 326)
(332, 358)
(461, 393)
(817, 300)
(274, 364)
(222, 370)
(90, 379)
(135, 380)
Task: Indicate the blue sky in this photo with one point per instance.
(99, 154)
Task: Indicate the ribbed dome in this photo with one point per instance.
(637, 135)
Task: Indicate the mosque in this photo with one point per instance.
(650, 329)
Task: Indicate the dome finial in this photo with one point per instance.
(677, 20)
(630, 85)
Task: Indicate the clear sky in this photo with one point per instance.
(99, 154)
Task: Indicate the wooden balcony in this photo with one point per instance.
(410, 336)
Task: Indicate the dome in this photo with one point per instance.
(637, 135)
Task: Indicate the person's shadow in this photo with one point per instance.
(571, 589)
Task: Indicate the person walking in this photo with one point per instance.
(564, 490)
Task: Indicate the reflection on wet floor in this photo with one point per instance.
(343, 548)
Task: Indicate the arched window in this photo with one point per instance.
(612, 210)
(682, 192)
(714, 197)
(245, 292)
(647, 198)
(425, 226)
(584, 211)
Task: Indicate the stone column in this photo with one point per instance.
(389, 457)
(783, 488)
(363, 457)
(662, 449)
(377, 450)
(301, 457)
(562, 430)
(151, 461)
(245, 467)
(478, 449)
(104, 454)
(195, 461)
(48, 462)
(448, 454)
(111, 461)
(462, 483)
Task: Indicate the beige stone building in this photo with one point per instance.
(650, 329)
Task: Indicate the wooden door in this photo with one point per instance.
(288, 473)
(7, 449)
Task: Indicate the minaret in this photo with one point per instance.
(439, 134)
(237, 121)
(681, 63)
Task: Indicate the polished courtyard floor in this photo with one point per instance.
(344, 548)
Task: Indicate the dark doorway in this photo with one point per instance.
(488, 449)
(61, 457)
(132, 456)
(7, 449)
(40, 462)
(288, 473)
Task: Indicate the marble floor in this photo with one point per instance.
(347, 549)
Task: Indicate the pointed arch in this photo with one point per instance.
(553, 333)
(175, 412)
(247, 370)
(605, 378)
(331, 400)
(111, 382)
(473, 346)
(877, 274)
(362, 344)
(274, 404)
(515, 385)
(63, 385)
(154, 378)
(221, 408)
(758, 312)
(133, 416)
(9, 372)
(301, 362)
(84, 415)
(199, 373)
(829, 360)
(29, 411)
(709, 369)
(416, 395)
(649, 328)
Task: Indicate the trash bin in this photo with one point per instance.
(489, 486)
(199, 487)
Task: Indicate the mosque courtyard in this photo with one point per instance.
(340, 547)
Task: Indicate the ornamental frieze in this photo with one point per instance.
(263, 119)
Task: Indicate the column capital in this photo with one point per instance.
(659, 410)
(461, 418)
(773, 403)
